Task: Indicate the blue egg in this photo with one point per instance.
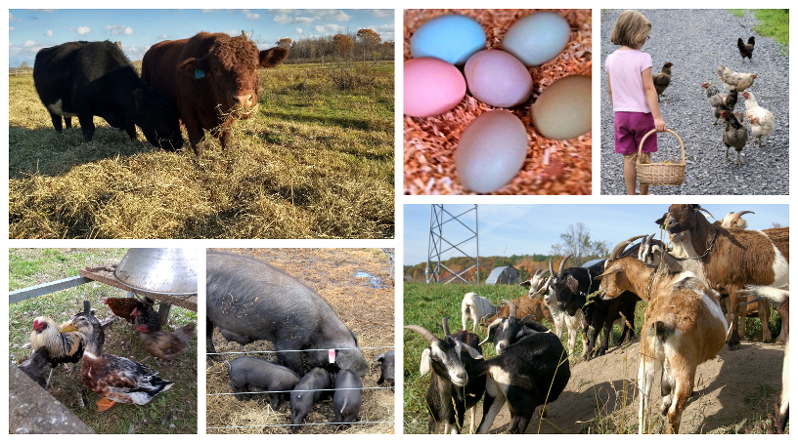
(452, 38)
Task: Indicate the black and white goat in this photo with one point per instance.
(453, 388)
(566, 293)
(504, 331)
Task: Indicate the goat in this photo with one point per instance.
(531, 372)
(782, 299)
(533, 303)
(565, 297)
(505, 331)
(474, 308)
(453, 387)
(731, 258)
(683, 327)
(735, 220)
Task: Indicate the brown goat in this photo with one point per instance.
(731, 258)
(683, 327)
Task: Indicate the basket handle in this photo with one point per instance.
(640, 148)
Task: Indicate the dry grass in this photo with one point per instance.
(551, 166)
(367, 311)
(315, 163)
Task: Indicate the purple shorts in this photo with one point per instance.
(630, 128)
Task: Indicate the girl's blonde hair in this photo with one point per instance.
(631, 29)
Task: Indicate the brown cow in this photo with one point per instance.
(213, 79)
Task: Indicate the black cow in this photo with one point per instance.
(84, 79)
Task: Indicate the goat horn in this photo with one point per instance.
(704, 210)
(544, 272)
(512, 307)
(741, 213)
(423, 332)
(562, 263)
(446, 326)
(491, 326)
(528, 317)
(551, 269)
(621, 246)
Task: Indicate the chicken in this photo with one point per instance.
(734, 135)
(746, 50)
(166, 345)
(147, 317)
(719, 101)
(759, 119)
(116, 379)
(663, 79)
(36, 366)
(122, 307)
(735, 81)
(61, 347)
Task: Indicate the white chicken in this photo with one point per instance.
(735, 81)
(759, 119)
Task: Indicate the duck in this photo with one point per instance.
(116, 379)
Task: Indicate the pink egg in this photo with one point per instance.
(498, 79)
(431, 87)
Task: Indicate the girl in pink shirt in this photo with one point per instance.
(632, 94)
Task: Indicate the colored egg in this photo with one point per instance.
(498, 79)
(537, 38)
(431, 87)
(452, 38)
(491, 151)
(564, 109)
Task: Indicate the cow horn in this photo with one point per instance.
(512, 307)
(562, 263)
(423, 332)
(244, 34)
(704, 210)
(621, 246)
(446, 326)
(551, 269)
(742, 213)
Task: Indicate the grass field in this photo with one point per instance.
(316, 161)
(173, 412)
(774, 23)
(426, 305)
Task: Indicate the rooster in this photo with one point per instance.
(746, 50)
(759, 119)
(147, 317)
(123, 307)
(61, 347)
(36, 366)
(734, 135)
(735, 81)
(719, 101)
(663, 79)
(166, 345)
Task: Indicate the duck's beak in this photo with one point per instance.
(68, 327)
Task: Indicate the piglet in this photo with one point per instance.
(302, 402)
(387, 370)
(253, 374)
(346, 402)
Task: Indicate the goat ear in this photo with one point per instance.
(472, 352)
(426, 362)
(661, 221)
(572, 283)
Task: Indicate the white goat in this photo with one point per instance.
(475, 308)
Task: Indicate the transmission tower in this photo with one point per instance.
(439, 244)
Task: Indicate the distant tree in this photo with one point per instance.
(776, 225)
(284, 43)
(368, 38)
(343, 43)
(577, 243)
(24, 65)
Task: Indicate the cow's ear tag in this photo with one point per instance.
(331, 355)
(199, 73)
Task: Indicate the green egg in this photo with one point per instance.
(564, 109)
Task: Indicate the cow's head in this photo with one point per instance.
(158, 119)
(681, 218)
(231, 71)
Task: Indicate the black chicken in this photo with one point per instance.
(746, 49)
(734, 135)
(663, 79)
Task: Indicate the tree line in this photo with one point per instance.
(365, 45)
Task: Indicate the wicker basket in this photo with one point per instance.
(660, 174)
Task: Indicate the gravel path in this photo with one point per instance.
(696, 41)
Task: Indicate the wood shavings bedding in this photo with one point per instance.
(430, 143)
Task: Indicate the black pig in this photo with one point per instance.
(249, 300)
(253, 374)
(386, 369)
(302, 401)
(346, 402)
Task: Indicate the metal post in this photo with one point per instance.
(435, 245)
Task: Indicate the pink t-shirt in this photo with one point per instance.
(624, 68)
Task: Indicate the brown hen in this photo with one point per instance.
(166, 345)
(123, 307)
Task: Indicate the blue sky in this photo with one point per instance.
(32, 30)
(532, 229)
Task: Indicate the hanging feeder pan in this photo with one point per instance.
(167, 271)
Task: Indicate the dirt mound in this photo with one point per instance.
(724, 393)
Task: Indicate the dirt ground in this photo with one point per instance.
(719, 400)
(365, 309)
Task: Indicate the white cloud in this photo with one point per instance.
(83, 30)
(49, 33)
(330, 28)
(299, 30)
(10, 28)
(380, 13)
(10, 17)
(205, 11)
(232, 32)
(45, 10)
(119, 29)
(250, 15)
(308, 15)
(163, 36)
(28, 44)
